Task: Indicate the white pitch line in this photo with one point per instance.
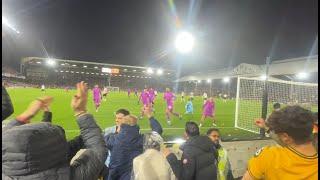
(77, 130)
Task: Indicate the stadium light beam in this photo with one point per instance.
(302, 75)
(184, 42)
(226, 79)
(159, 72)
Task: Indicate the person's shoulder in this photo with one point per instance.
(268, 151)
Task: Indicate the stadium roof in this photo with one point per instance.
(279, 67)
(89, 65)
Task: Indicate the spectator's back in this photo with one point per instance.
(201, 150)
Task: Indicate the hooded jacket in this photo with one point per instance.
(40, 151)
(198, 161)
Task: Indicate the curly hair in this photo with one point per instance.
(296, 121)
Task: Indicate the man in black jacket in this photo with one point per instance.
(7, 108)
(199, 158)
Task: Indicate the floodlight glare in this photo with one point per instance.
(184, 42)
(199, 81)
(51, 62)
(263, 77)
(159, 71)
(6, 23)
(302, 75)
(150, 71)
(226, 79)
(208, 80)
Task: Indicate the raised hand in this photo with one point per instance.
(79, 101)
(260, 123)
(34, 107)
(46, 101)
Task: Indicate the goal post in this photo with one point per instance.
(251, 92)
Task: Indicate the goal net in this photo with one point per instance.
(110, 88)
(250, 93)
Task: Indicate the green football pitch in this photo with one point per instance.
(63, 114)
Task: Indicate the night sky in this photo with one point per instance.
(141, 32)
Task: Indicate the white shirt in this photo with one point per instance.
(191, 94)
(105, 90)
(42, 87)
(205, 95)
(182, 93)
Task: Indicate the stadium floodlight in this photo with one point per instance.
(150, 71)
(62, 64)
(302, 75)
(226, 79)
(51, 62)
(85, 66)
(208, 80)
(6, 23)
(39, 62)
(96, 67)
(184, 42)
(169, 73)
(263, 77)
(134, 70)
(199, 81)
(159, 72)
(74, 65)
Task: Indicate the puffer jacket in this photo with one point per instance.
(198, 161)
(7, 107)
(40, 151)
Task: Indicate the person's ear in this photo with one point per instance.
(286, 138)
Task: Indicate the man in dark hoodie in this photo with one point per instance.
(199, 158)
(127, 144)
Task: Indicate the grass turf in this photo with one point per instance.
(63, 114)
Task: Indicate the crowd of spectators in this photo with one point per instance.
(41, 151)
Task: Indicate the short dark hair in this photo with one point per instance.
(192, 129)
(123, 111)
(296, 121)
(190, 99)
(211, 130)
(276, 106)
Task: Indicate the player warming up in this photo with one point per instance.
(152, 96)
(189, 106)
(43, 88)
(136, 92)
(169, 98)
(208, 111)
(129, 92)
(105, 93)
(96, 97)
(182, 97)
(224, 97)
(204, 97)
(145, 98)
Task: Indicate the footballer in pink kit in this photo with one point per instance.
(145, 98)
(129, 92)
(152, 95)
(208, 111)
(169, 98)
(96, 96)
